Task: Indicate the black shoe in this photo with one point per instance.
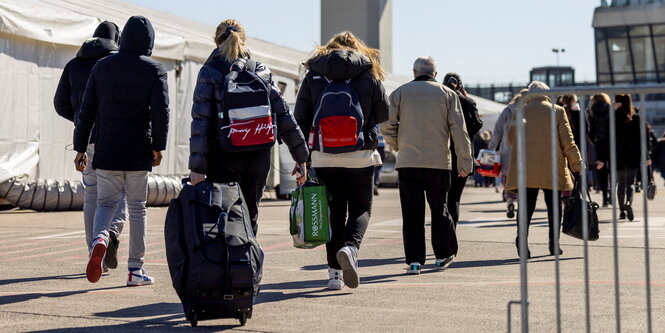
(376, 190)
(629, 213)
(511, 210)
(517, 245)
(552, 250)
(111, 259)
(622, 216)
(605, 202)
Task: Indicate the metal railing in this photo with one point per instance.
(520, 123)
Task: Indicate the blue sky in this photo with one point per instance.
(486, 41)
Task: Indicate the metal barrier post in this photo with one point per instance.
(613, 198)
(521, 208)
(556, 206)
(645, 184)
(585, 216)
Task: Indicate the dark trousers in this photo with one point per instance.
(625, 181)
(603, 175)
(531, 198)
(350, 192)
(250, 170)
(416, 185)
(455, 195)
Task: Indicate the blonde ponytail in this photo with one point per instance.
(230, 39)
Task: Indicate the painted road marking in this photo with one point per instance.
(59, 235)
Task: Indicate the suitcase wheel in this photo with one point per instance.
(194, 320)
(243, 318)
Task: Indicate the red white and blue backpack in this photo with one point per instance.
(245, 121)
(338, 120)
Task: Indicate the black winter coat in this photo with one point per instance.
(628, 143)
(339, 66)
(599, 130)
(126, 98)
(205, 153)
(470, 111)
(69, 94)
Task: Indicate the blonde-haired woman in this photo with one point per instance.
(214, 160)
(345, 59)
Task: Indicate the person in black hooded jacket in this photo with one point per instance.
(599, 134)
(67, 101)
(473, 125)
(348, 176)
(207, 159)
(126, 99)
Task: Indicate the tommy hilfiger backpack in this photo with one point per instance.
(245, 122)
(338, 120)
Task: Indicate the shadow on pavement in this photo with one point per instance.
(43, 278)
(9, 299)
(481, 202)
(502, 262)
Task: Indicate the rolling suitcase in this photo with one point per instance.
(213, 256)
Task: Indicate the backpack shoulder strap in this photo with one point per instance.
(250, 65)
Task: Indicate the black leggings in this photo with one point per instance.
(531, 198)
(350, 191)
(455, 196)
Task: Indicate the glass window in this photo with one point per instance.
(660, 52)
(639, 30)
(566, 79)
(620, 55)
(658, 29)
(539, 77)
(552, 82)
(601, 56)
(604, 79)
(643, 55)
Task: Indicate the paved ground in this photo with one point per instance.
(42, 288)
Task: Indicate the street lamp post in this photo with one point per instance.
(558, 51)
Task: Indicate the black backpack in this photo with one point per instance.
(213, 256)
(338, 124)
(245, 122)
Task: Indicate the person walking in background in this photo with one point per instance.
(537, 113)
(217, 153)
(67, 103)
(500, 143)
(424, 116)
(381, 149)
(599, 134)
(473, 125)
(658, 156)
(628, 152)
(126, 99)
(344, 160)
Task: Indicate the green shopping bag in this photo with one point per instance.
(310, 215)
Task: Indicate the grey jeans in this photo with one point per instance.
(110, 185)
(89, 178)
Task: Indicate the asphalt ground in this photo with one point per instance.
(43, 287)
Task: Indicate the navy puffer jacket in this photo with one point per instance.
(69, 94)
(127, 100)
(208, 99)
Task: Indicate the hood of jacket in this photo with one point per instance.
(340, 64)
(137, 36)
(103, 41)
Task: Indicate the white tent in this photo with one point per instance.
(38, 37)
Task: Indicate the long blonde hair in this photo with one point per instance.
(346, 40)
(230, 39)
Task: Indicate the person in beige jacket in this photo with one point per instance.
(538, 131)
(424, 115)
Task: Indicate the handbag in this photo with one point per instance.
(310, 215)
(573, 213)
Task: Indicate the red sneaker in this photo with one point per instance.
(94, 270)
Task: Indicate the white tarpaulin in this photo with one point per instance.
(37, 39)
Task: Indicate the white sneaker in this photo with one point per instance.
(347, 257)
(413, 269)
(139, 277)
(336, 281)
